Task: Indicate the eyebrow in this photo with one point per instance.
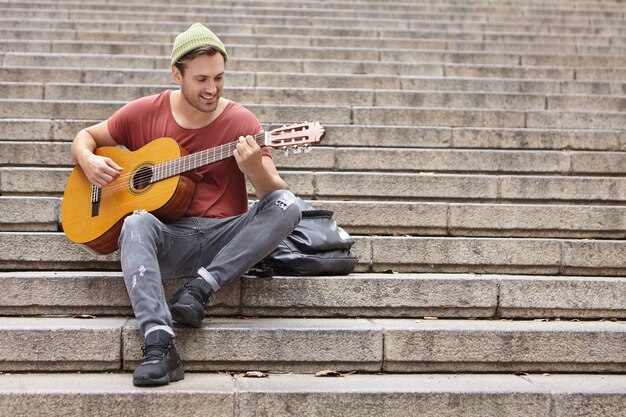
(208, 76)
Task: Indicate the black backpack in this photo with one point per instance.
(317, 246)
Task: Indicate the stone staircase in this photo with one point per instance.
(475, 149)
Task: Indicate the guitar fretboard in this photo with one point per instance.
(199, 159)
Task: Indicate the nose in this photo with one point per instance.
(211, 88)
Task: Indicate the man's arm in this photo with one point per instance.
(99, 170)
(260, 170)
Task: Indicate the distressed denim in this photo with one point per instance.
(219, 250)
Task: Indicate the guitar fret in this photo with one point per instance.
(208, 156)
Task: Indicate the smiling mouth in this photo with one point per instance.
(205, 97)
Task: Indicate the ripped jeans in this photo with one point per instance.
(219, 250)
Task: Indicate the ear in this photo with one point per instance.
(177, 77)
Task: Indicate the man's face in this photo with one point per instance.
(203, 81)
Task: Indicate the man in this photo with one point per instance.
(218, 239)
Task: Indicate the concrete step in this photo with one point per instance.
(413, 69)
(415, 76)
(407, 97)
(433, 52)
(64, 130)
(234, 25)
(360, 115)
(239, 21)
(357, 395)
(386, 186)
(536, 14)
(40, 214)
(310, 345)
(591, 80)
(552, 119)
(371, 295)
(49, 250)
(323, 158)
(511, 43)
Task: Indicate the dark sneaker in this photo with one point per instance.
(187, 305)
(161, 363)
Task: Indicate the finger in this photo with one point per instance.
(113, 165)
(250, 141)
(109, 173)
(242, 147)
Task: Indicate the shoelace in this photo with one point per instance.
(153, 353)
(195, 292)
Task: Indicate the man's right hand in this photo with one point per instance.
(99, 170)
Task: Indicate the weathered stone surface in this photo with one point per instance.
(463, 254)
(484, 346)
(19, 129)
(536, 139)
(304, 395)
(590, 189)
(35, 153)
(37, 181)
(602, 396)
(382, 136)
(543, 296)
(595, 163)
(554, 119)
(104, 395)
(427, 395)
(536, 220)
(29, 213)
(381, 159)
(457, 100)
(304, 345)
(403, 116)
(365, 217)
(37, 251)
(372, 295)
(405, 185)
(60, 344)
(94, 293)
(607, 257)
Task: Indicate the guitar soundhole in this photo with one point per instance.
(141, 180)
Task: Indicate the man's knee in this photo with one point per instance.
(138, 227)
(286, 202)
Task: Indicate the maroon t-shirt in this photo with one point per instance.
(222, 192)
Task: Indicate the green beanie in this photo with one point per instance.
(194, 37)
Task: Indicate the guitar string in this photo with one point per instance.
(120, 182)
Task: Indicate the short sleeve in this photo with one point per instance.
(118, 125)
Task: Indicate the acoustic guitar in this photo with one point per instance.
(159, 178)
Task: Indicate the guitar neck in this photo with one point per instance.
(199, 159)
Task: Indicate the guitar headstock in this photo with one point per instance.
(296, 137)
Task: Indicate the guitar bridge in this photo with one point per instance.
(95, 200)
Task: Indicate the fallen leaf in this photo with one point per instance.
(255, 374)
(84, 316)
(521, 374)
(431, 318)
(328, 373)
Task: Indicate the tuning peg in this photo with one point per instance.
(285, 150)
(296, 149)
(307, 148)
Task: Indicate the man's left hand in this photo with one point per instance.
(248, 155)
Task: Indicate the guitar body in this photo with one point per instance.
(97, 225)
